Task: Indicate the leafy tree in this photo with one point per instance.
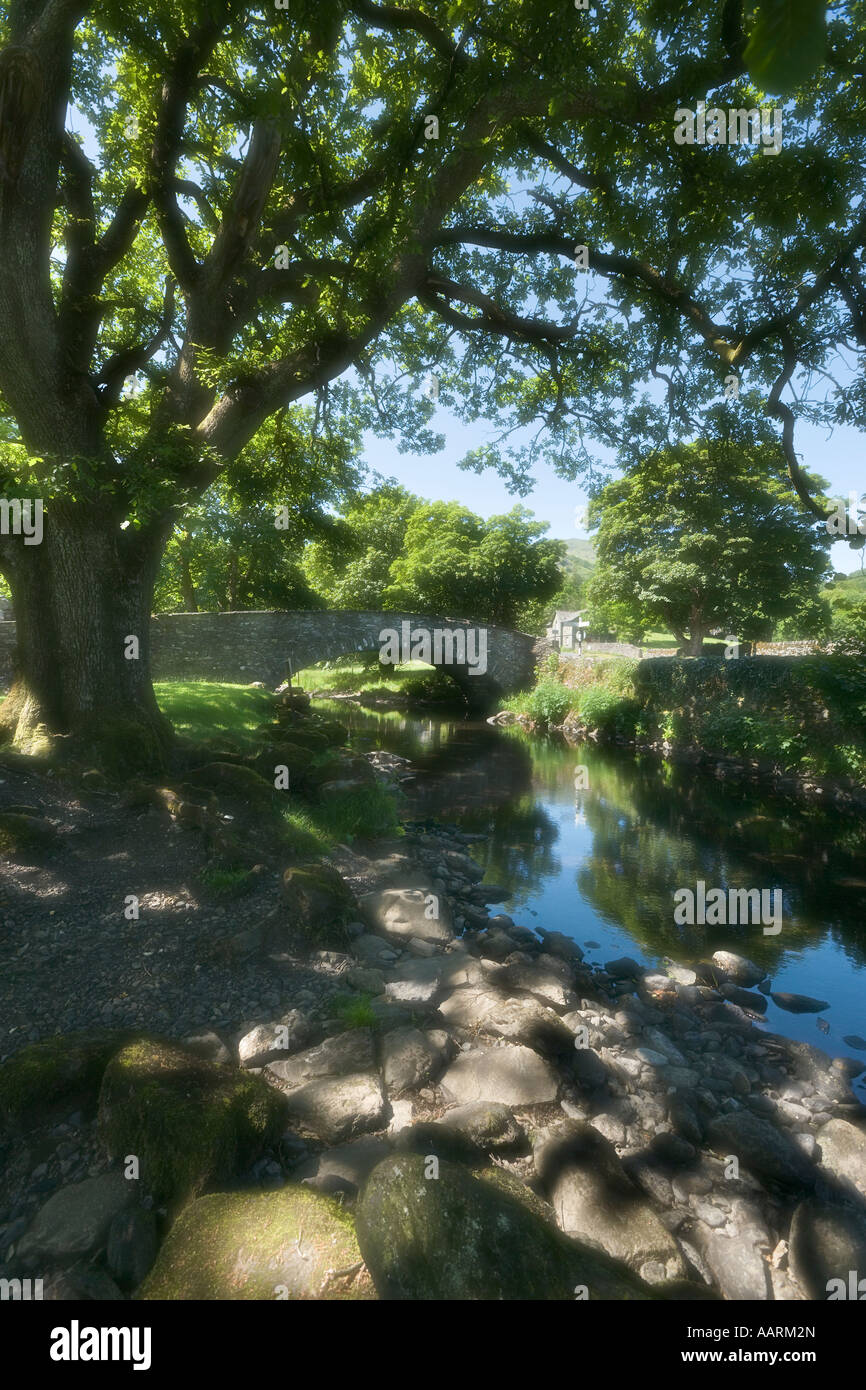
(456, 564)
(241, 546)
(329, 202)
(351, 566)
(704, 538)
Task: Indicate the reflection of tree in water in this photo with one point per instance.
(660, 833)
(518, 849)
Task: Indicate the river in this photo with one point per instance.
(602, 862)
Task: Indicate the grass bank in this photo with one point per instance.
(217, 712)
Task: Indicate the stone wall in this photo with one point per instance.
(252, 646)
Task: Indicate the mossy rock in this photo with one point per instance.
(235, 780)
(297, 733)
(459, 1237)
(335, 732)
(290, 755)
(318, 904)
(191, 1123)
(289, 1244)
(342, 767)
(21, 834)
(64, 1070)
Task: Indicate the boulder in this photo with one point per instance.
(76, 1220)
(271, 1042)
(455, 1237)
(737, 1266)
(344, 1168)
(409, 1058)
(66, 1070)
(765, 1150)
(826, 1242)
(398, 914)
(739, 969)
(843, 1154)
(799, 1003)
(190, 1123)
(510, 1075)
(337, 1108)
(288, 1244)
(132, 1246)
(595, 1202)
(351, 1051)
(318, 904)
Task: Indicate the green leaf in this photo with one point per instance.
(787, 44)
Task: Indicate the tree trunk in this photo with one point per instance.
(187, 588)
(79, 597)
(696, 632)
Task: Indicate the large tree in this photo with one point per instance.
(705, 538)
(248, 210)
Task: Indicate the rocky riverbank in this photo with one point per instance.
(478, 1114)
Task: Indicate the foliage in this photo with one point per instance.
(707, 537)
(392, 550)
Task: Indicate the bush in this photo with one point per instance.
(549, 702)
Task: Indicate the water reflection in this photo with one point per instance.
(599, 854)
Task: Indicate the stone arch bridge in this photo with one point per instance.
(250, 646)
(265, 645)
(247, 646)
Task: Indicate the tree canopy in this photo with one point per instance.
(706, 538)
(251, 213)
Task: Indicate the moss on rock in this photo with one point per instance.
(235, 780)
(318, 903)
(191, 1123)
(66, 1069)
(289, 1244)
(459, 1237)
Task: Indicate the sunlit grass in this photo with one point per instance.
(207, 709)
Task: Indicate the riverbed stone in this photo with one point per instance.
(825, 1243)
(512, 1075)
(737, 1265)
(272, 1042)
(339, 1107)
(398, 914)
(739, 969)
(596, 1203)
(843, 1154)
(351, 1051)
(765, 1150)
(75, 1221)
(409, 1058)
(344, 1168)
(291, 1243)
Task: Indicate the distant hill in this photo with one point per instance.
(579, 561)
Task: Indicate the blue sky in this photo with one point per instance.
(838, 457)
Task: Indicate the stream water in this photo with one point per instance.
(601, 863)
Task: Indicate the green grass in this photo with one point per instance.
(223, 882)
(367, 812)
(209, 709)
(356, 1013)
(354, 677)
